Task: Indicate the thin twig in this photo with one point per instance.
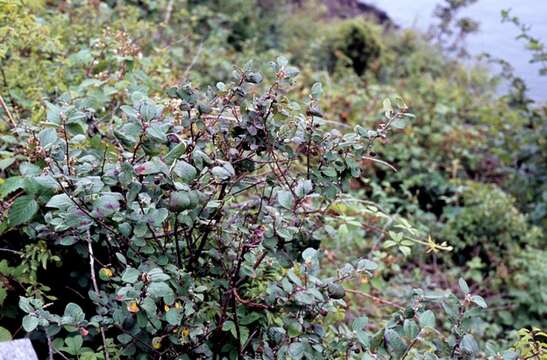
(193, 62)
(11, 251)
(50, 348)
(95, 286)
(380, 162)
(176, 238)
(414, 341)
(375, 298)
(61, 354)
(67, 149)
(8, 113)
(168, 12)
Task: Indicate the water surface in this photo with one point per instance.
(494, 37)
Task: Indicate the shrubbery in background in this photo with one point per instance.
(190, 208)
(352, 43)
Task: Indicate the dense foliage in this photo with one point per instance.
(252, 179)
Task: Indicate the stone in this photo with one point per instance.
(20, 349)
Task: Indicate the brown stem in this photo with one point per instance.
(238, 331)
(176, 237)
(207, 230)
(407, 350)
(50, 348)
(95, 287)
(67, 149)
(375, 298)
(8, 113)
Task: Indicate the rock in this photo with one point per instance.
(352, 8)
(20, 349)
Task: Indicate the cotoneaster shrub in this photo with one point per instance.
(463, 130)
(190, 227)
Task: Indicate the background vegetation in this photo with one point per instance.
(261, 179)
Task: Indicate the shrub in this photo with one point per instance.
(484, 218)
(527, 289)
(100, 69)
(487, 228)
(192, 224)
(354, 43)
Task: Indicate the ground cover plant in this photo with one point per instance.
(211, 179)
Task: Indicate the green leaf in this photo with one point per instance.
(46, 182)
(157, 274)
(410, 329)
(3, 293)
(229, 326)
(24, 304)
(295, 279)
(244, 334)
(30, 322)
(469, 345)
(304, 187)
(6, 163)
(399, 123)
(395, 342)
(185, 171)
(463, 286)
(153, 166)
(10, 185)
(297, 349)
(129, 111)
(388, 108)
(365, 264)
(60, 201)
(22, 210)
(285, 199)
(250, 318)
(5, 335)
(160, 289)
(478, 300)
(106, 205)
(130, 275)
(223, 172)
(156, 133)
(53, 113)
(358, 327)
(47, 137)
(199, 158)
(89, 356)
(75, 312)
(149, 305)
(173, 316)
(309, 254)
(329, 171)
(29, 169)
(294, 328)
(304, 298)
(316, 90)
(175, 153)
(74, 344)
(359, 323)
(149, 110)
(405, 250)
(124, 338)
(363, 337)
(427, 319)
